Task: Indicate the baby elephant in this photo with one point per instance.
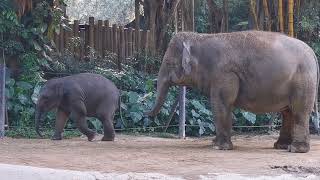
(81, 95)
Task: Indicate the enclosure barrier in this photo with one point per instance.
(103, 38)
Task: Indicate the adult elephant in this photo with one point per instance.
(79, 96)
(253, 70)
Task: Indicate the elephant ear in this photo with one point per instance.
(187, 57)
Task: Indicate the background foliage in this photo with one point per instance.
(27, 41)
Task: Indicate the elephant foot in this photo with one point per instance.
(299, 147)
(91, 136)
(281, 144)
(105, 138)
(223, 146)
(56, 138)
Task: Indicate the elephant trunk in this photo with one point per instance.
(162, 91)
(39, 117)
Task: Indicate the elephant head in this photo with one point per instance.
(177, 68)
(49, 97)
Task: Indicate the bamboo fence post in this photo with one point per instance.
(126, 42)
(130, 42)
(86, 40)
(83, 49)
(96, 37)
(134, 50)
(110, 38)
(91, 32)
(121, 50)
(77, 37)
(142, 40)
(137, 41)
(105, 37)
(99, 38)
(147, 46)
(114, 39)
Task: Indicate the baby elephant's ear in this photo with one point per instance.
(186, 57)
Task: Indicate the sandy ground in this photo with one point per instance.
(190, 158)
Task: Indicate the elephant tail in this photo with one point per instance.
(316, 118)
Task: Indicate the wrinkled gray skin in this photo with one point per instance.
(79, 96)
(256, 71)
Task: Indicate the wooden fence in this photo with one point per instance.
(103, 38)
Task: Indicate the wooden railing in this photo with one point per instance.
(103, 38)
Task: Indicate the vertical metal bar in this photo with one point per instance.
(2, 92)
(182, 112)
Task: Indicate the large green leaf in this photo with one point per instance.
(35, 94)
(195, 114)
(133, 97)
(197, 105)
(165, 111)
(201, 127)
(10, 82)
(23, 99)
(136, 116)
(24, 85)
(249, 116)
(96, 124)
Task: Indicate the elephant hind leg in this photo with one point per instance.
(108, 129)
(285, 138)
(79, 113)
(82, 125)
(300, 136)
(301, 108)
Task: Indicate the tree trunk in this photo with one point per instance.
(188, 15)
(216, 17)
(280, 16)
(290, 21)
(254, 14)
(225, 16)
(298, 14)
(260, 14)
(159, 15)
(22, 7)
(267, 15)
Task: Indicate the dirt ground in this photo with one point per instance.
(253, 155)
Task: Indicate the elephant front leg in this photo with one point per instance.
(222, 99)
(61, 119)
(223, 123)
(285, 138)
